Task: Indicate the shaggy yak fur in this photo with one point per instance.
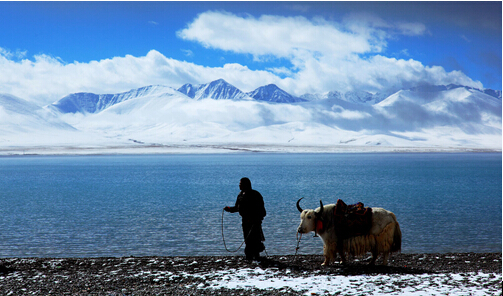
(384, 237)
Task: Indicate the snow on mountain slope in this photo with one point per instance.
(324, 96)
(16, 105)
(356, 97)
(407, 118)
(463, 103)
(312, 134)
(93, 103)
(272, 93)
(217, 114)
(171, 117)
(465, 114)
(217, 90)
(361, 97)
(149, 107)
(24, 124)
(493, 93)
(18, 115)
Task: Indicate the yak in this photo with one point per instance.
(383, 237)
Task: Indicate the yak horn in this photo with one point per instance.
(298, 206)
(321, 209)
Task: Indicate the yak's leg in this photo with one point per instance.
(343, 257)
(385, 258)
(326, 262)
(375, 254)
(326, 256)
(340, 250)
(328, 253)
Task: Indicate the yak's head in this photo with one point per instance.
(308, 218)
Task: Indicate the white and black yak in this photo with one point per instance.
(383, 235)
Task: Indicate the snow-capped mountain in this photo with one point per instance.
(493, 93)
(217, 113)
(324, 96)
(465, 109)
(18, 116)
(272, 93)
(435, 88)
(10, 104)
(363, 97)
(221, 90)
(357, 97)
(94, 103)
(217, 90)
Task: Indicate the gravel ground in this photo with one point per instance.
(209, 275)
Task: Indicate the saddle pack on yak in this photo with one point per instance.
(352, 220)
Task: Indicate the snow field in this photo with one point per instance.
(395, 284)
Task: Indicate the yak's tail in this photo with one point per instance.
(397, 239)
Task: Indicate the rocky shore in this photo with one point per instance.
(412, 274)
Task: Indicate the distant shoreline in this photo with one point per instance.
(226, 149)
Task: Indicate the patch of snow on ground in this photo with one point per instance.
(423, 284)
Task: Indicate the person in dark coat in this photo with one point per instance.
(250, 205)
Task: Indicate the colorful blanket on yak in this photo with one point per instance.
(352, 220)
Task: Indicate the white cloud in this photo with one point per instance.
(284, 37)
(188, 52)
(46, 79)
(339, 112)
(411, 29)
(18, 54)
(380, 72)
(324, 55)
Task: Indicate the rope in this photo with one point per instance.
(297, 248)
(225, 245)
(223, 238)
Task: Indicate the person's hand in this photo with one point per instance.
(227, 209)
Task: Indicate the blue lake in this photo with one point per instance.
(171, 205)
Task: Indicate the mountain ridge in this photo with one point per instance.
(222, 90)
(17, 115)
(217, 90)
(272, 93)
(433, 116)
(85, 102)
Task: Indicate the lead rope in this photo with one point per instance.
(223, 238)
(297, 248)
(225, 245)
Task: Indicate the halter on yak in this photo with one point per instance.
(318, 220)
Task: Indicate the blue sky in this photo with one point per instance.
(50, 49)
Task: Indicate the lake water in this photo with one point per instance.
(171, 205)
